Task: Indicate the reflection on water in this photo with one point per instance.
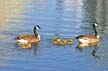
(81, 46)
(65, 19)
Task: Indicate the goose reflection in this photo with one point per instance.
(35, 49)
(94, 53)
(81, 46)
(29, 46)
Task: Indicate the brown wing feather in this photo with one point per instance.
(90, 38)
(30, 38)
(86, 36)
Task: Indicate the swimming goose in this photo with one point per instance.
(89, 38)
(30, 38)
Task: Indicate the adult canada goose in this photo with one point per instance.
(89, 38)
(30, 38)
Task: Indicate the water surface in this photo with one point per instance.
(57, 18)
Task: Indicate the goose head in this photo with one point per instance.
(95, 24)
(36, 27)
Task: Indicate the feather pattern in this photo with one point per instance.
(87, 39)
(30, 38)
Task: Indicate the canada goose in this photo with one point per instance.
(89, 38)
(30, 38)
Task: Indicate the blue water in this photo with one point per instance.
(57, 18)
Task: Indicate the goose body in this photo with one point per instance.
(89, 38)
(22, 41)
(30, 38)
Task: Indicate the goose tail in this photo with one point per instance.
(16, 38)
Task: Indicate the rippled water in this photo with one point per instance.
(57, 18)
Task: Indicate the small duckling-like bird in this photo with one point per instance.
(89, 38)
(64, 42)
(30, 38)
(25, 46)
(70, 41)
(56, 41)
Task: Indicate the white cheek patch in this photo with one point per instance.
(96, 24)
(37, 28)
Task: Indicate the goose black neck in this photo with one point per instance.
(95, 30)
(96, 33)
(35, 32)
